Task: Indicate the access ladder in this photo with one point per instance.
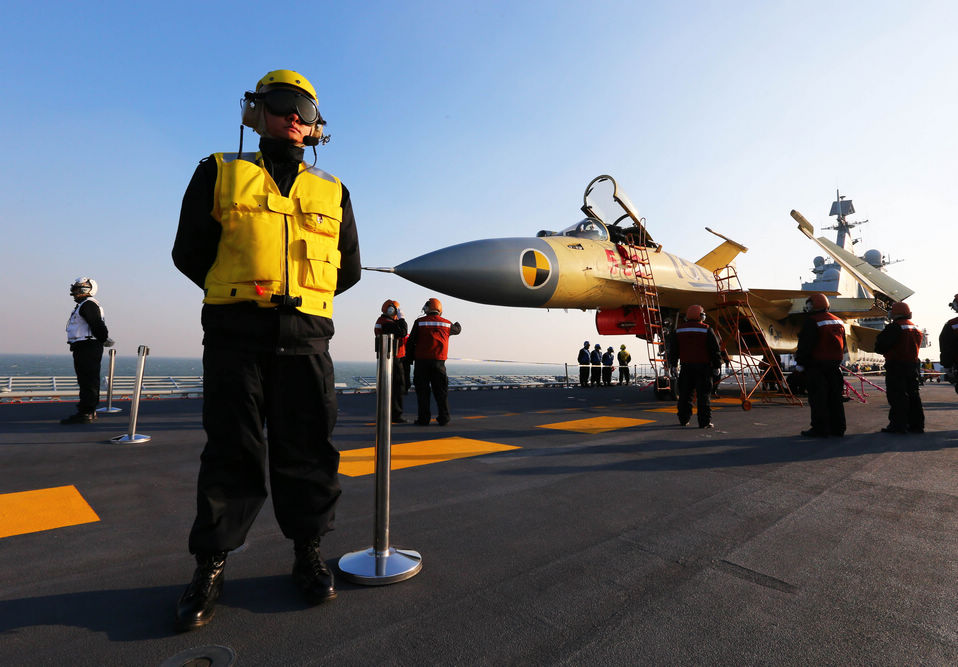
(737, 323)
(647, 296)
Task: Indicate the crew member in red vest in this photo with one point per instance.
(695, 345)
(948, 346)
(900, 341)
(391, 322)
(428, 345)
(821, 349)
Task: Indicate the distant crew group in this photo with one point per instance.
(596, 367)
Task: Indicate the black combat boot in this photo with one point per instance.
(198, 602)
(310, 572)
(80, 418)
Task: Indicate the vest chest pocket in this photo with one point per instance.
(321, 217)
(320, 268)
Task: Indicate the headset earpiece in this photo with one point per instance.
(251, 111)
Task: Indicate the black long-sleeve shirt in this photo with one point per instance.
(245, 325)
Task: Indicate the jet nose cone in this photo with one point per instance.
(502, 272)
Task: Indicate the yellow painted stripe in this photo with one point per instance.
(475, 417)
(358, 462)
(674, 410)
(43, 509)
(598, 424)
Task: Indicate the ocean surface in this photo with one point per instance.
(346, 371)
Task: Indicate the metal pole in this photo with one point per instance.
(131, 436)
(384, 386)
(382, 564)
(109, 386)
(567, 374)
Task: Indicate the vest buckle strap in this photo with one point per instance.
(286, 300)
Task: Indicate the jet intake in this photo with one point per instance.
(617, 321)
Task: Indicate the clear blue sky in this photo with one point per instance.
(454, 121)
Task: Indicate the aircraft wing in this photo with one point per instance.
(866, 337)
(781, 302)
(722, 255)
(874, 281)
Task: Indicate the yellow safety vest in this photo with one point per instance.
(275, 249)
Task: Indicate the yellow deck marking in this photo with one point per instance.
(475, 417)
(43, 509)
(358, 462)
(597, 424)
(727, 401)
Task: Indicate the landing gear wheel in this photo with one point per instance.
(746, 404)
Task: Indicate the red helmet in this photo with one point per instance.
(695, 313)
(816, 303)
(433, 306)
(900, 310)
(389, 303)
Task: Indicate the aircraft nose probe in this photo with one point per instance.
(504, 272)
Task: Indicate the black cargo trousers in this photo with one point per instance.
(697, 378)
(429, 375)
(826, 388)
(87, 358)
(902, 382)
(294, 397)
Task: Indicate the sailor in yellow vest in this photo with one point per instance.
(270, 239)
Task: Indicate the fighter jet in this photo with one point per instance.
(609, 262)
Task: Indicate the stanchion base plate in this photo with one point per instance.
(109, 410)
(365, 567)
(127, 439)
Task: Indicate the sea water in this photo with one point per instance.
(45, 365)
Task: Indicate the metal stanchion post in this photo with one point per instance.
(382, 564)
(132, 436)
(109, 409)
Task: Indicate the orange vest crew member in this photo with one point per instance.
(428, 346)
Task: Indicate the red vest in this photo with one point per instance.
(693, 347)
(432, 337)
(831, 337)
(378, 330)
(908, 343)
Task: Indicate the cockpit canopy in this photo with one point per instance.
(589, 228)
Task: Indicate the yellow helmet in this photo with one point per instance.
(287, 77)
(307, 109)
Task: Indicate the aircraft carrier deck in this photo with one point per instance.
(557, 526)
